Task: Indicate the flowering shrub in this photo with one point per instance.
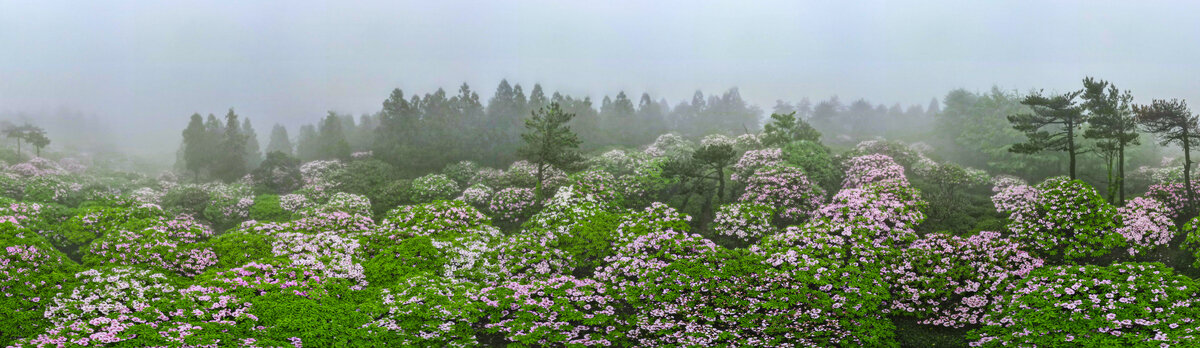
(1145, 223)
(160, 247)
(1173, 194)
(748, 142)
(37, 166)
(753, 160)
(1126, 304)
(295, 305)
(596, 185)
(294, 202)
(228, 205)
(462, 172)
(885, 213)
(1012, 194)
(745, 221)
(1068, 219)
(318, 177)
(670, 145)
(440, 218)
(560, 311)
(903, 154)
(433, 187)
(427, 310)
(488, 176)
(477, 195)
(326, 253)
(524, 174)
(657, 217)
(81, 229)
(345, 203)
(775, 299)
(786, 189)
(578, 224)
(31, 273)
(867, 169)
(138, 307)
(530, 256)
(954, 281)
(513, 204)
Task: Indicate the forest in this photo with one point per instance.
(980, 219)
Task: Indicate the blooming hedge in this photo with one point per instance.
(955, 281)
(786, 189)
(1067, 220)
(1125, 304)
(745, 222)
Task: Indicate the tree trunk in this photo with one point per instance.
(1071, 147)
(1112, 187)
(1121, 175)
(721, 185)
(537, 192)
(1187, 172)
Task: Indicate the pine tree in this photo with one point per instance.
(307, 146)
(549, 142)
(280, 141)
(196, 146)
(1053, 125)
(1111, 122)
(331, 139)
(1173, 123)
(232, 158)
(253, 154)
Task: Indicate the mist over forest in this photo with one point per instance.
(625, 173)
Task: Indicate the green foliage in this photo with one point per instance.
(238, 248)
(816, 162)
(787, 128)
(279, 173)
(89, 224)
(1123, 305)
(186, 199)
(266, 208)
(32, 272)
(409, 257)
(424, 310)
(1068, 221)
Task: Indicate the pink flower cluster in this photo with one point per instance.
(786, 189)
(753, 160)
(512, 204)
(745, 221)
(872, 168)
(560, 311)
(1173, 195)
(1145, 224)
(955, 281)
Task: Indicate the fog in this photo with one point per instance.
(141, 69)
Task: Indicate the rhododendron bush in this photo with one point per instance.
(1066, 219)
(626, 248)
(1125, 304)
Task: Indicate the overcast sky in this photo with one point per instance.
(152, 65)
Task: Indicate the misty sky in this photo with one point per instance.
(152, 65)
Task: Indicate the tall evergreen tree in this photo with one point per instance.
(253, 152)
(308, 147)
(197, 145)
(37, 137)
(1112, 123)
(231, 164)
(1173, 123)
(1053, 125)
(331, 139)
(279, 140)
(549, 141)
(397, 125)
(786, 128)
